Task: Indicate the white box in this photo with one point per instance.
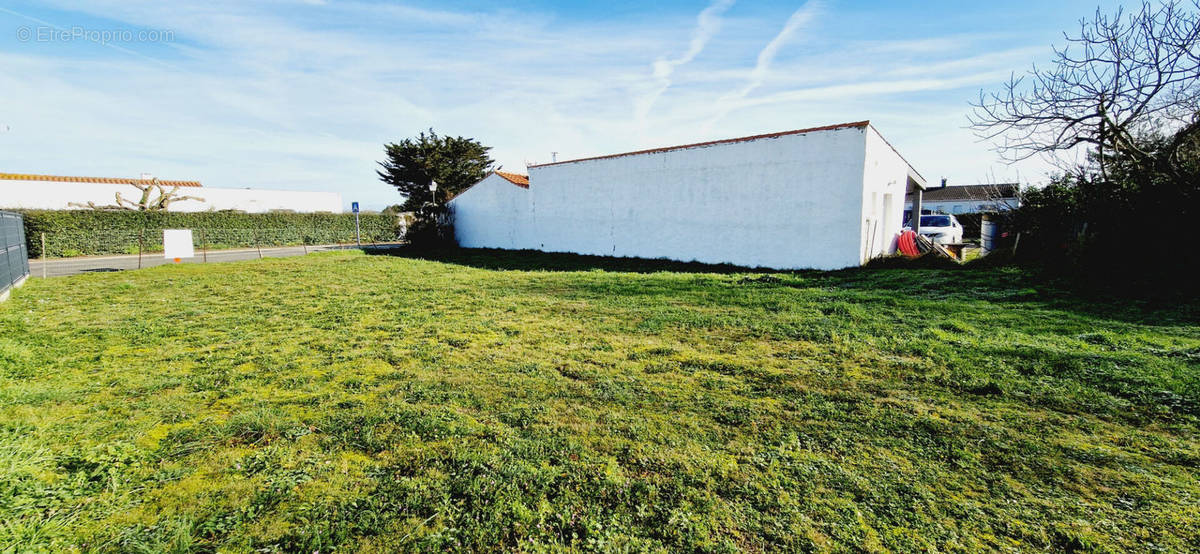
(177, 244)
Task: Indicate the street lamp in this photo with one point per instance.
(433, 191)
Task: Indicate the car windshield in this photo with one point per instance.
(935, 221)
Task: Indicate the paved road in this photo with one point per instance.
(74, 266)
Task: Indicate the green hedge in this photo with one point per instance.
(88, 232)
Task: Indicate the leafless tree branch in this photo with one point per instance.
(1121, 77)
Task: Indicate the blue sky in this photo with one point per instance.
(303, 94)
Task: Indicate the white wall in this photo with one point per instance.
(885, 183)
(58, 196)
(788, 202)
(785, 202)
(493, 214)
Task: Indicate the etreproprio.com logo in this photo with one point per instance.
(100, 36)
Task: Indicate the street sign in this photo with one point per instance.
(177, 244)
(357, 234)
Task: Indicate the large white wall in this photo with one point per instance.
(787, 202)
(58, 196)
(885, 182)
(494, 213)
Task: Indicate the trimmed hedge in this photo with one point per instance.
(89, 232)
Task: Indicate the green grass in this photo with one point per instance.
(349, 402)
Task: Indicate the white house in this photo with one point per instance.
(54, 192)
(826, 198)
(969, 199)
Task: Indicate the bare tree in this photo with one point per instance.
(148, 202)
(1122, 77)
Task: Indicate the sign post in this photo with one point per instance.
(357, 236)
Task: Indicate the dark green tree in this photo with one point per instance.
(455, 163)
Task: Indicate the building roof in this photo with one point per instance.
(514, 178)
(97, 180)
(857, 124)
(970, 192)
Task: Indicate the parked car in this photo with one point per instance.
(941, 228)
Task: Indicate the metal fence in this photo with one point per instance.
(14, 258)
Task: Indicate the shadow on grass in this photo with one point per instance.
(935, 281)
(533, 260)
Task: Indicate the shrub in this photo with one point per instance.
(89, 232)
(432, 229)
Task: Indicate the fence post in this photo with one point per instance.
(203, 246)
(43, 255)
(257, 244)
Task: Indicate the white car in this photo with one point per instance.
(941, 228)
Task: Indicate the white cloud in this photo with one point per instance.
(708, 23)
(762, 67)
(291, 94)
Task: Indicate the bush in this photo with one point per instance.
(432, 229)
(1124, 224)
(89, 232)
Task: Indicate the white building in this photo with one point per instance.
(969, 199)
(52, 192)
(826, 198)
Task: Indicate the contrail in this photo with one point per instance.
(766, 57)
(108, 44)
(708, 23)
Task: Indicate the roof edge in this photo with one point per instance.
(94, 180)
(501, 174)
(924, 184)
(514, 178)
(856, 124)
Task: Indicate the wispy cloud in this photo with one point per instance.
(298, 95)
(762, 66)
(708, 24)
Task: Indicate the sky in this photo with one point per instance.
(302, 95)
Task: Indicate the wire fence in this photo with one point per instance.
(92, 242)
(14, 259)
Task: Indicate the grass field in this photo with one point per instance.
(350, 402)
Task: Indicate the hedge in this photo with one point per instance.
(89, 232)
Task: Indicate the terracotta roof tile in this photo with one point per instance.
(97, 180)
(514, 178)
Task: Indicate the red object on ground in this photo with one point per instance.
(907, 244)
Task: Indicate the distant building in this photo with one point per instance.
(53, 192)
(968, 199)
(825, 198)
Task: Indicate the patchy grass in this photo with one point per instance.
(373, 403)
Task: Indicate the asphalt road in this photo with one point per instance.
(90, 264)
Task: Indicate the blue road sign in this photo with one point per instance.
(354, 207)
